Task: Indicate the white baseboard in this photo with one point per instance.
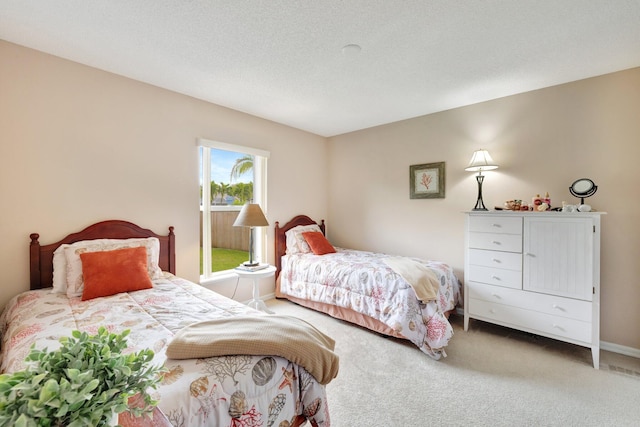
(272, 295)
(614, 348)
(621, 349)
(266, 297)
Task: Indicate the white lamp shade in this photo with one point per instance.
(251, 216)
(481, 161)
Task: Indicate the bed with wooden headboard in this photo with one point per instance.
(263, 389)
(360, 287)
(41, 257)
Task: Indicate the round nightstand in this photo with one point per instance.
(256, 302)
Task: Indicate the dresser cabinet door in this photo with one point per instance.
(558, 256)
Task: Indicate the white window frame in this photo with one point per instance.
(259, 196)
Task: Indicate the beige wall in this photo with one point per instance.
(79, 145)
(542, 140)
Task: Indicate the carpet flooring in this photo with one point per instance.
(492, 376)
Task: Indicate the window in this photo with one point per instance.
(230, 176)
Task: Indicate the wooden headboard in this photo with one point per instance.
(281, 240)
(41, 257)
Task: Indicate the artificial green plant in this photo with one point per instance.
(83, 383)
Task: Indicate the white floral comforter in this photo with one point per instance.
(218, 391)
(361, 281)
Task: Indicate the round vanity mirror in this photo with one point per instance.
(582, 188)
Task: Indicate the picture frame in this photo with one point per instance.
(426, 181)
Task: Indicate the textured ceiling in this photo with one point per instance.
(283, 60)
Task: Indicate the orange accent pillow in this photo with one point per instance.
(318, 243)
(112, 272)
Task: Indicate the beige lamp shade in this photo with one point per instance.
(251, 216)
(481, 161)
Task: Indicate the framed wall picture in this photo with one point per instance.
(427, 181)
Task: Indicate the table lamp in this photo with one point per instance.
(251, 216)
(481, 160)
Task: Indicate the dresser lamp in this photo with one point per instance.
(481, 160)
(251, 216)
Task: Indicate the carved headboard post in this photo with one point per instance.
(278, 251)
(34, 260)
(172, 251)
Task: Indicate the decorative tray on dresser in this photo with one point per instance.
(537, 272)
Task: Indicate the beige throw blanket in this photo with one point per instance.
(423, 281)
(272, 335)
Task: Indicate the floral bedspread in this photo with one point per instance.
(362, 281)
(218, 391)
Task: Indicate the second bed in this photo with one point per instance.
(372, 290)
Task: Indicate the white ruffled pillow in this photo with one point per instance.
(60, 262)
(295, 241)
(75, 282)
(60, 270)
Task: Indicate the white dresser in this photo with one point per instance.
(535, 271)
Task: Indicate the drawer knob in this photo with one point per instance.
(556, 326)
(496, 260)
(495, 242)
(492, 311)
(557, 307)
(496, 225)
(496, 296)
(495, 277)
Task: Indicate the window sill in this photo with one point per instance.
(219, 277)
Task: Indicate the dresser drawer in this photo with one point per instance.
(548, 304)
(533, 321)
(495, 259)
(495, 276)
(496, 242)
(495, 224)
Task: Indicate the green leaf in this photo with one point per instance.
(90, 386)
(62, 411)
(25, 421)
(49, 391)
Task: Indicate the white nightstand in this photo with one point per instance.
(256, 302)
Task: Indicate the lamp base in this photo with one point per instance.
(479, 203)
(250, 264)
